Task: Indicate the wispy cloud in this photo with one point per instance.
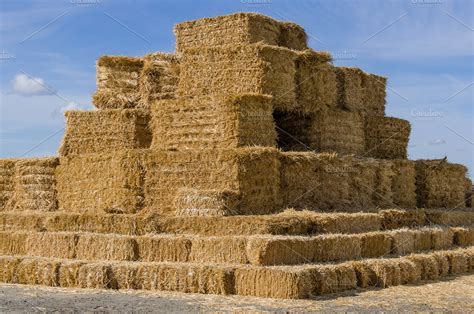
(25, 85)
(439, 141)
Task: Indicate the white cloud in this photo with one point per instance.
(29, 86)
(437, 142)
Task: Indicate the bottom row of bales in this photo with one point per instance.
(275, 281)
(227, 182)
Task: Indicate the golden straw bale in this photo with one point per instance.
(442, 238)
(110, 182)
(377, 273)
(443, 263)
(240, 69)
(427, 265)
(51, 244)
(459, 261)
(274, 282)
(386, 137)
(398, 218)
(7, 171)
(192, 202)
(450, 218)
(117, 82)
(9, 269)
(213, 122)
(13, 243)
(332, 278)
(252, 172)
(351, 91)
(403, 241)
(463, 236)
(34, 184)
(404, 183)
(163, 248)
(440, 184)
(94, 246)
(69, 273)
(374, 93)
(316, 83)
(124, 275)
(95, 276)
(470, 256)
(423, 239)
(229, 250)
(241, 28)
(38, 271)
(375, 244)
(409, 271)
(158, 78)
(90, 132)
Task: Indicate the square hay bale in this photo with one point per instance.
(386, 137)
(423, 239)
(94, 246)
(280, 250)
(117, 82)
(315, 181)
(398, 218)
(333, 278)
(228, 250)
(191, 278)
(377, 273)
(210, 122)
(241, 28)
(404, 183)
(47, 244)
(107, 182)
(374, 94)
(192, 202)
(409, 271)
(463, 236)
(9, 269)
(7, 171)
(38, 271)
(403, 241)
(382, 188)
(442, 238)
(22, 220)
(469, 194)
(375, 244)
(163, 248)
(95, 276)
(34, 184)
(345, 222)
(240, 69)
(450, 218)
(440, 184)
(158, 78)
(69, 273)
(459, 261)
(316, 83)
(427, 265)
(254, 173)
(89, 132)
(284, 282)
(470, 256)
(13, 243)
(124, 275)
(443, 263)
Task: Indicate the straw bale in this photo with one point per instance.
(7, 171)
(409, 271)
(38, 271)
(440, 184)
(117, 82)
(229, 250)
(240, 69)
(13, 243)
(254, 173)
(95, 276)
(316, 83)
(351, 91)
(403, 241)
(8, 269)
(450, 218)
(426, 264)
(93, 246)
(158, 78)
(375, 244)
(34, 184)
(344, 222)
(163, 248)
(404, 183)
(442, 238)
(47, 244)
(443, 263)
(377, 273)
(124, 275)
(110, 182)
(386, 137)
(374, 94)
(274, 282)
(286, 250)
(459, 261)
(397, 218)
(470, 256)
(210, 122)
(463, 236)
(333, 278)
(100, 131)
(423, 239)
(191, 278)
(241, 28)
(69, 273)
(192, 202)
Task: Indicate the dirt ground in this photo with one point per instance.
(451, 294)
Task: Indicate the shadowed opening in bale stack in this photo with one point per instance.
(210, 122)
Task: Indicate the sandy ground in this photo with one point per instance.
(451, 294)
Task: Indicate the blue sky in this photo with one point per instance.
(424, 47)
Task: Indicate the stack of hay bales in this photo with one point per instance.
(6, 181)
